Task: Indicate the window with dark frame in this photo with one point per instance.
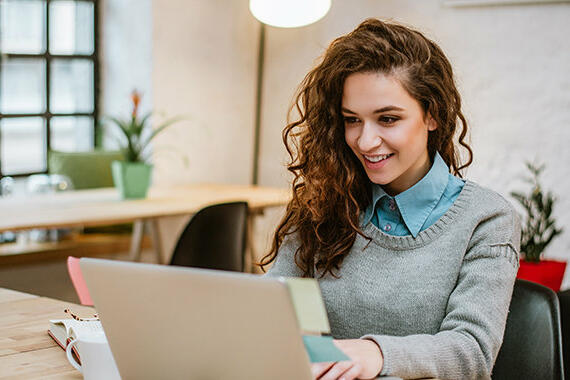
(48, 81)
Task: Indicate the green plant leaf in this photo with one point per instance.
(539, 228)
(163, 126)
(159, 129)
(133, 131)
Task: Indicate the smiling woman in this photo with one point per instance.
(387, 131)
(416, 265)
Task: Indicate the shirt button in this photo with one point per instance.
(387, 227)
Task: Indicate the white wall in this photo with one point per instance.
(204, 68)
(511, 64)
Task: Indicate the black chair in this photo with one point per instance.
(532, 346)
(215, 238)
(564, 299)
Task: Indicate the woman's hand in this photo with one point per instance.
(366, 361)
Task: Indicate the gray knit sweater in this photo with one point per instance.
(435, 304)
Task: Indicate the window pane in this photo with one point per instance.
(22, 26)
(71, 134)
(71, 27)
(23, 86)
(71, 86)
(23, 142)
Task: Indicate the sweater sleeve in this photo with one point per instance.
(471, 332)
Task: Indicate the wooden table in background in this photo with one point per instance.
(104, 207)
(26, 350)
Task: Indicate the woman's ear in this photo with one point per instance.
(431, 123)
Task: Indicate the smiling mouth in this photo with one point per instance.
(377, 158)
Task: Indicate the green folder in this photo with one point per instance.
(322, 349)
(308, 303)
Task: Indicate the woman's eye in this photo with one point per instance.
(388, 119)
(350, 120)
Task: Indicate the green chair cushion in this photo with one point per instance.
(87, 170)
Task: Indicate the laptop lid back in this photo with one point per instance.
(173, 322)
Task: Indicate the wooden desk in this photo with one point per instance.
(104, 207)
(26, 350)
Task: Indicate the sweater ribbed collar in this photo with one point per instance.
(426, 236)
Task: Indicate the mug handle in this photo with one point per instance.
(70, 357)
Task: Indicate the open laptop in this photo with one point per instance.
(165, 322)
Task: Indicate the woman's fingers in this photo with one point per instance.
(338, 371)
(352, 373)
(319, 368)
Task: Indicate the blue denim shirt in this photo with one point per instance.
(417, 208)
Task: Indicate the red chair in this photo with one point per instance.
(78, 281)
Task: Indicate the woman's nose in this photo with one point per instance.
(369, 139)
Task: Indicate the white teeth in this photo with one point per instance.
(377, 158)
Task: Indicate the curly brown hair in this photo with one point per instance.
(330, 187)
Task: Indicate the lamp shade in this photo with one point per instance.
(289, 13)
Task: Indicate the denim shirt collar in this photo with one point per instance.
(416, 203)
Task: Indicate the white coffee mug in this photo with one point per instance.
(96, 358)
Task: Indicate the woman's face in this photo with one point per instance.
(386, 129)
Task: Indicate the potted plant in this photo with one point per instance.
(132, 176)
(537, 232)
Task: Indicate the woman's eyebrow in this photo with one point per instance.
(388, 108)
(346, 110)
(380, 110)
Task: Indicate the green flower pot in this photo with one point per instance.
(131, 178)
